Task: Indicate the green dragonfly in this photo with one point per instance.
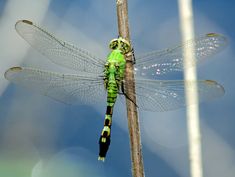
(100, 78)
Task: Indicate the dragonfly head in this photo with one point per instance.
(121, 44)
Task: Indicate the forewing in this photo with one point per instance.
(58, 51)
(165, 95)
(162, 62)
(66, 88)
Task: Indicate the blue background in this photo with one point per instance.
(52, 139)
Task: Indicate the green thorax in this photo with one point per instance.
(115, 66)
(116, 56)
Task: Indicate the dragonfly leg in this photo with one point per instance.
(133, 55)
(131, 52)
(123, 93)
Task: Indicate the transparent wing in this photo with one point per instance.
(165, 95)
(70, 89)
(59, 52)
(161, 62)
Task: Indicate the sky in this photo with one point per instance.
(40, 137)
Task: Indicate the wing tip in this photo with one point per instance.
(23, 21)
(212, 34)
(27, 21)
(219, 86)
(221, 36)
(12, 70)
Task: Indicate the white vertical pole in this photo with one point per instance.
(194, 137)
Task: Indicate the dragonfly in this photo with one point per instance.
(98, 78)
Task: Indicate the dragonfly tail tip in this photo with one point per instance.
(101, 159)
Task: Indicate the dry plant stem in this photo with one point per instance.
(132, 115)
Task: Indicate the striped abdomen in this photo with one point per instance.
(112, 91)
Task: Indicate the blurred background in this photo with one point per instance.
(40, 137)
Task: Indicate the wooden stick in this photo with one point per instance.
(132, 115)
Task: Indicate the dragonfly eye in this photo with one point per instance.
(125, 46)
(120, 44)
(113, 44)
